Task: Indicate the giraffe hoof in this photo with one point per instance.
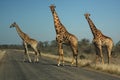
(30, 61)
(58, 65)
(36, 61)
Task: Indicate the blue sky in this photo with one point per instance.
(34, 18)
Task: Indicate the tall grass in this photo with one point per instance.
(109, 68)
(2, 53)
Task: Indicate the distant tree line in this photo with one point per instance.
(11, 46)
(84, 46)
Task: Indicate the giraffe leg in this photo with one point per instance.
(97, 58)
(59, 60)
(37, 56)
(73, 61)
(101, 55)
(60, 50)
(26, 52)
(97, 49)
(76, 61)
(109, 57)
(75, 54)
(62, 57)
(109, 49)
(36, 59)
(24, 58)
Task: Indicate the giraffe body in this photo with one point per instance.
(64, 37)
(27, 41)
(100, 40)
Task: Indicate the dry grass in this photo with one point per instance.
(109, 68)
(85, 62)
(2, 53)
(67, 59)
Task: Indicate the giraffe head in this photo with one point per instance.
(13, 25)
(86, 15)
(52, 7)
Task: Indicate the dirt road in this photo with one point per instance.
(12, 68)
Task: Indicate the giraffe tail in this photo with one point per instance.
(77, 52)
(39, 52)
(38, 47)
(76, 58)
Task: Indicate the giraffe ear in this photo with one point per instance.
(53, 5)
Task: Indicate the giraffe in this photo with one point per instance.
(64, 37)
(100, 40)
(27, 41)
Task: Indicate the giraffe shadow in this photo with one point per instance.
(55, 65)
(47, 64)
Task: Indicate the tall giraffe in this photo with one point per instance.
(64, 37)
(100, 40)
(27, 41)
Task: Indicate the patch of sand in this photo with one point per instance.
(2, 53)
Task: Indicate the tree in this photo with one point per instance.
(53, 43)
(117, 47)
(45, 44)
(85, 46)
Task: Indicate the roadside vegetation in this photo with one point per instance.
(86, 54)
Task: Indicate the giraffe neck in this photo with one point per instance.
(57, 23)
(56, 19)
(92, 27)
(19, 31)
